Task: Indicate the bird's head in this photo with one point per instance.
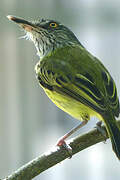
(47, 35)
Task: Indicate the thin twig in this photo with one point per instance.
(56, 155)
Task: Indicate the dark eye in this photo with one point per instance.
(53, 24)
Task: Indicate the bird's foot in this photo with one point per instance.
(101, 130)
(62, 143)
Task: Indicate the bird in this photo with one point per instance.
(75, 80)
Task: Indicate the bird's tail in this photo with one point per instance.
(113, 132)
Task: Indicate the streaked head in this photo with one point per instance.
(47, 35)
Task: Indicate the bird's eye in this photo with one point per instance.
(53, 25)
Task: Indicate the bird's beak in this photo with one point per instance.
(28, 26)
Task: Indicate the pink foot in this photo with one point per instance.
(61, 143)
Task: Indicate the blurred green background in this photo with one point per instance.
(30, 123)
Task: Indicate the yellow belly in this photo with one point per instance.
(72, 106)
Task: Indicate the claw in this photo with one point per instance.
(101, 130)
(62, 143)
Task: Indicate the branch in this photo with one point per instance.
(56, 155)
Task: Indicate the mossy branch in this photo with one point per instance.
(56, 155)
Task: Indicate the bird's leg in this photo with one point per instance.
(101, 129)
(62, 142)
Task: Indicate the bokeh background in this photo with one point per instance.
(30, 123)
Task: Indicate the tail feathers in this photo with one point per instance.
(113, 132)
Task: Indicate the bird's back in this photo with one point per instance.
(75, 69)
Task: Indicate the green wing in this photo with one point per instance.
(80, 84)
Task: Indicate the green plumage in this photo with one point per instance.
(88, 75)
(76, 81)
(80, 76)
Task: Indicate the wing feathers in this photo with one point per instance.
(81, 87)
